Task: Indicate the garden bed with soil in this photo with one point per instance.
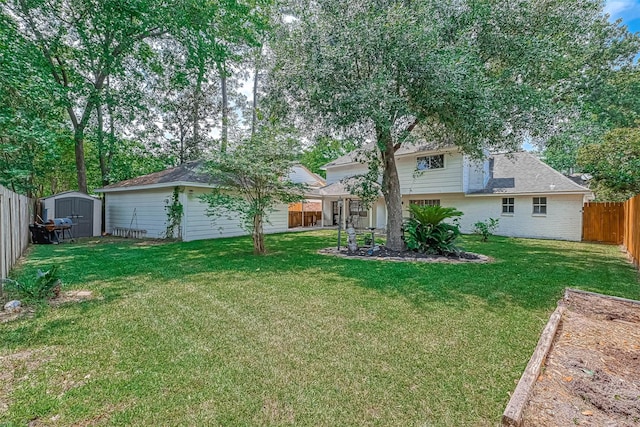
(385, 254)
(592, 371)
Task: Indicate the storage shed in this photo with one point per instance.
(84, 211)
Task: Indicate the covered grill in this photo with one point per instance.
(52, 231)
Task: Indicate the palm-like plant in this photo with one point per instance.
(426, 232)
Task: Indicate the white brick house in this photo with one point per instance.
(528, 197)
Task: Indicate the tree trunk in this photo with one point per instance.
(391, 192)
(254, 103)
(225, 110)
(258, 235)
(101, 147)
(78, 139)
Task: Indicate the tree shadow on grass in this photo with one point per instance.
(529, 273)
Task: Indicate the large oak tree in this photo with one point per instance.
(475, 73)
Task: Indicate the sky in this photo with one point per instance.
(628, 10)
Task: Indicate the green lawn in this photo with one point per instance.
(205, 333)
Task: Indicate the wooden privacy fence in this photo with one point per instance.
(14, 228)
(617, 223)
(603, 222)
(632, 228)
(304, 219)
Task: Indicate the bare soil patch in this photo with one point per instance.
(62, 298)
(385, 254)
(592, 373)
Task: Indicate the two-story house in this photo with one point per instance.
(529, 198)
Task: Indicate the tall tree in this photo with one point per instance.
(31, 123)
(474, 73)
(84, 42)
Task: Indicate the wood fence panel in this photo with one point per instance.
(603, 222)
(632, 228)
(311, 219)
(15, 217)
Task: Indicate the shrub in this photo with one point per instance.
(486, 228)
(45, 285)
(426, 232)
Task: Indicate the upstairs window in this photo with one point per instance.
(539, 205)
(430, 162)
(508, 204)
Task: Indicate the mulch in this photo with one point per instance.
(592, 373)
(385, 254)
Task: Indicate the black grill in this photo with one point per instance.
(53, 231)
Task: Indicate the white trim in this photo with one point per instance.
(528, 194)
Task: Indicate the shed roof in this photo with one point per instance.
(70, 193)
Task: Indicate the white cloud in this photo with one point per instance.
(628, 10)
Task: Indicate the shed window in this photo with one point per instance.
(508, 204)
(430, 162)
(539, 205)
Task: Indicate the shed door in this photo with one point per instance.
(81, 213)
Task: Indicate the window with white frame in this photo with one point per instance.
(426, 202)
(508, 205)
(539, 205)
(430, 162)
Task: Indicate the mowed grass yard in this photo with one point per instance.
(205, 333)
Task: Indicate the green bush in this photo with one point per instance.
(46, 285)
(426, 232)
(486, 228)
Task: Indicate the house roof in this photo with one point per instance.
(523, 173)
(191, 174)
(337, 189)
(300, 174)
(186, 174)
(360, 153)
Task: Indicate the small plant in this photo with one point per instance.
(486, 228)
(175, 212)
(426, 232)
(45, 286)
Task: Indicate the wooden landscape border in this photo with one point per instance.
(512, 416)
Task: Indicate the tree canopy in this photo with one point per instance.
(477, 74)
(614, 164)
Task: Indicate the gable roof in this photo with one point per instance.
(523, 173)
(302, 175)
(192, 174)
(406, 149)
(185, 174)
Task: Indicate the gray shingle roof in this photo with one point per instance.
(524, 173)
(187, 172)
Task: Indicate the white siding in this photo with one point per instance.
(445, 180)
(563, 220)
(475, 174)
(141, 210)
(151, 215)
(198, 226)
(335, 174)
